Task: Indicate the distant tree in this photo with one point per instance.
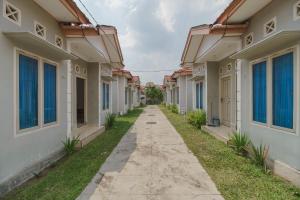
(154, 95)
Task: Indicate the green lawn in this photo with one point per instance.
(72, 174)
(236, 177)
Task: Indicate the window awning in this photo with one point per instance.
(30, 42)
(268, 45)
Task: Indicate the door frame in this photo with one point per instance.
(220, 94)
(85, 99)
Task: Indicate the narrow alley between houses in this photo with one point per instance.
(151, 162)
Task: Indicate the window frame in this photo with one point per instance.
(269, 59)
(41, 126)
(264, 59)
(19, 22)
(105, 105)
(126, 96)
(57, 93)
(295, 88)
(199, 82)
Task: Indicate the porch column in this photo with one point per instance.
(238, 94)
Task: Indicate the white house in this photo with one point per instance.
(169, 84)
(53, 66)
(136, 91)
(248, 63)
(182, 90)
(122, 93)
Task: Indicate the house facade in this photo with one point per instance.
(51, 82)
(169, 83)
(122, 92)
(136, 91)
(248, 61)
(182, 90)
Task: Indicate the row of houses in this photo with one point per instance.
(244, 71)
(60, 75)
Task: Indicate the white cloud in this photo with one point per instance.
(129, 39)
(166, 14)
(152, 33)
(114, 3)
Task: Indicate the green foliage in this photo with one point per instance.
(239, 142)
(168, 106)
(174, 109)
(70, 145)
(259, 155)
(154, 95)
(197, 118)
(109, 120)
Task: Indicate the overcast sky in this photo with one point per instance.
(152, 33)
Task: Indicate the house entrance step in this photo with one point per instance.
(88, 133)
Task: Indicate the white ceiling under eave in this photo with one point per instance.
(192, 49)
(88, 49)
(57, 10)
(113, 50)
(247, 9)
(220, 50)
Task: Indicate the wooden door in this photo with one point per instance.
(226, 101)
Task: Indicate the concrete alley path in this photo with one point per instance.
(151, 162)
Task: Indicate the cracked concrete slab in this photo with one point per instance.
(151, 162)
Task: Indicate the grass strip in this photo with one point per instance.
(72, 174)
(236, 177)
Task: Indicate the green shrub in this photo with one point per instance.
(239, 142)
(174, 109)
(70, 145)
(259, 155)
(110, 120)
(197, 118)
(168, 106)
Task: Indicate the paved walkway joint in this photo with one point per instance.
(151, 162)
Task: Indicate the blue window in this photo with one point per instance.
(49, 93)
(28, 92)
(126, 96)
(105, 96)
(177, 95)
(199, 95)
(259, 91)
(283, 91)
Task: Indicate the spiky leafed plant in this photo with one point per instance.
(239, 142)
(70, 145)
(260, 155)
(109, 120)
